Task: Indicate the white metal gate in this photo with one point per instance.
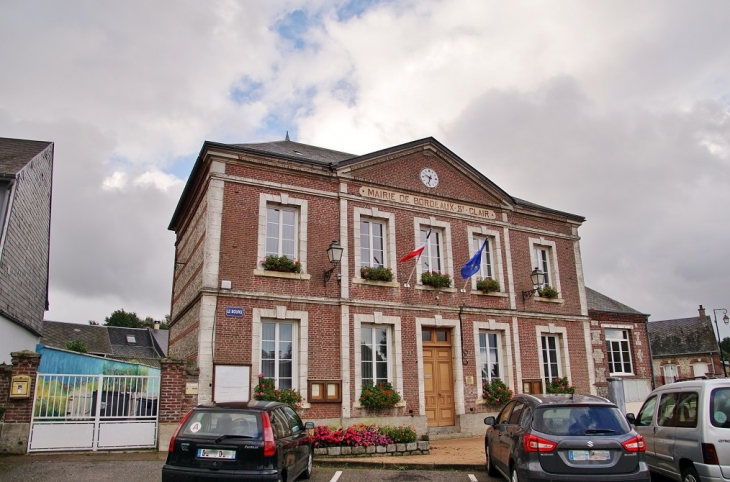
(92, 412)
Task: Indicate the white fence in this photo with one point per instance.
(91, 412)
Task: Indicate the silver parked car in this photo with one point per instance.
(686, 427)
(563, 438)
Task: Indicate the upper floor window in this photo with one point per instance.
(486, 268)
(281, 232)
(618, 351)
(432, 256)
(372, 243)
(542, 257)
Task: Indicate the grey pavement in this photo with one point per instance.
(451, 454)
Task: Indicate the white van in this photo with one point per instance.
(686, 426)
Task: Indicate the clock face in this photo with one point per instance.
(429, 177)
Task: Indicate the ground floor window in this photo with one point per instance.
(619, 354)
(670, 373)
(278, 353)
(490, 357)
(550, 357)
(375, 345)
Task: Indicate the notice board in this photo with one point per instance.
(231, 383)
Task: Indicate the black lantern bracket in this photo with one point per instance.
(538, 278)
(334, 254)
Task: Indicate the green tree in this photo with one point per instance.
(77, 346)
(123, 319)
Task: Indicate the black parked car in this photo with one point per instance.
(238, 442)
(577, 438)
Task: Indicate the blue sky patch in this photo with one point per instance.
(355, 8)
(247, 91)
(293, 27)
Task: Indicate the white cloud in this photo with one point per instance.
(615, 110)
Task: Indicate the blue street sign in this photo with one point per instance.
(234, 311)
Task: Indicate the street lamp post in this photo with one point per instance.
(725, 320)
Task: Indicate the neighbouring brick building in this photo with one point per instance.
(26, 175)
(684, 348)
(325, 333)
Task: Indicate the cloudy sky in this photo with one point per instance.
(614, 110)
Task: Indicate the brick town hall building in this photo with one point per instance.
(325, 330)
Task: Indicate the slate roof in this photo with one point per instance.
(297, 151)
(110, 341)
(305, 153)
(16, 153)
(600, 302)
(682, 336)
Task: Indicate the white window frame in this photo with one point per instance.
(396, 376)
(485, 354)
(280, 313)
(670, 367)
(704, 365)
(279, 236)
(446, 252)
(284, 201)
(277, 341)
(545, 349)
(495, 246)
(625, 338)
(388, 220)
(505, 351)
(389, 354)
(563, 354)
(553, 272)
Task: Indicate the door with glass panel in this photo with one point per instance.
(438, 383)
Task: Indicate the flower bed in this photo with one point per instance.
(378, 273)
(436, 279)
(266, 390)
(368, 440)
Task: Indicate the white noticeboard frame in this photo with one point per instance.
(232, 383)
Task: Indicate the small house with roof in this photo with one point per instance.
(139, 345)
(684, 348)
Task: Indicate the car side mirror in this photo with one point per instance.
(490, 421)
(630, 418)
(309, 425)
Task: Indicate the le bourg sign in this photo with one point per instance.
(427, 202)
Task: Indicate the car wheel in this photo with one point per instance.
(513, 475)
(308, 470)
(690, 475)
(491, 470)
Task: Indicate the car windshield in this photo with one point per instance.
(580, 420)
(223, 422)
(720, 407)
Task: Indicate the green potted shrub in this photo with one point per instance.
(379, 396)
(559, 385)
(495, 392)
(435, 279)
(281, 263)
(377, 273)
(488, 284)
(548, 292)
(266, 390)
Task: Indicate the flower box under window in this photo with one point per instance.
(283, 264)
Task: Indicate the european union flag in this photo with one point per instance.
(472, 266)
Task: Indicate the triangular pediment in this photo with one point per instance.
(401, 168)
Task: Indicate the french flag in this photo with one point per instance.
(416, 252)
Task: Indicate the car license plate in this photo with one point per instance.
(578, 455)
(216, 454)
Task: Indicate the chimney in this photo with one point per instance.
(157, 325)
(701, 309)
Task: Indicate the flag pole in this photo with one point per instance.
(463, 290)
(407, 285)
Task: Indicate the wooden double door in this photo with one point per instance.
(438, 374)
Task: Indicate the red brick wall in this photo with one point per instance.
(174, 403)
(6, 372)
(20, 410)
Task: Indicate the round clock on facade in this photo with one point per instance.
(429, 177)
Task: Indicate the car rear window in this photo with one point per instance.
(224, 422)
(720, 407)
(580, 420)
